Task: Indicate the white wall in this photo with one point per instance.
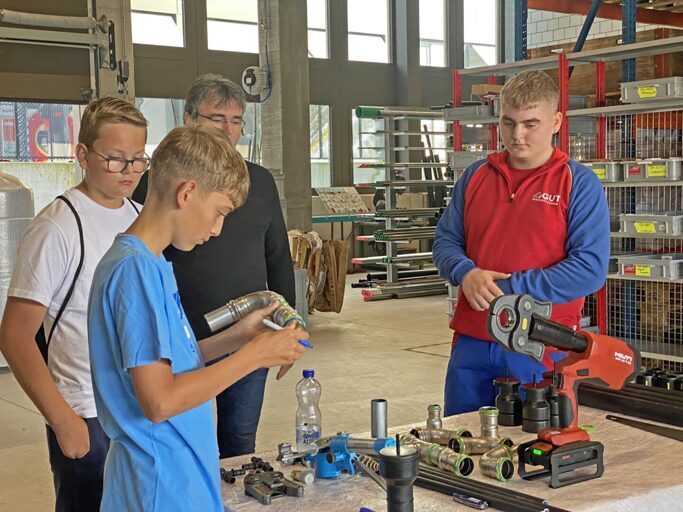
(550, 28)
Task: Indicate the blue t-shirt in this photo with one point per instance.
(135, 318)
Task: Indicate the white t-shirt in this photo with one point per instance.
(46, 263)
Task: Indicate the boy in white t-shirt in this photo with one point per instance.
(61, 248)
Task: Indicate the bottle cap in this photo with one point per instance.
(309, 374)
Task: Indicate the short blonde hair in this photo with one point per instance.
(201, 153)
(529, 89)
(108, 110)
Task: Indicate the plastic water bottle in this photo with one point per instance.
(308, 417)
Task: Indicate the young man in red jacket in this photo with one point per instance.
(525, 220)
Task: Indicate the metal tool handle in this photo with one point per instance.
(556, 335)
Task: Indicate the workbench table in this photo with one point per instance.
(643, 473)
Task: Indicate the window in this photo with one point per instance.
(157, 22)
(232, 25)
(368, 30)
(368, 148)
(438, 138)
(321, 174)
(317, 29)
(164, 114)
(480, 32)
(432, 33)
(38, 146)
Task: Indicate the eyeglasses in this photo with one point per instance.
(237, 122)
(116, 164)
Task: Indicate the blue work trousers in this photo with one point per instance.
(473, 366)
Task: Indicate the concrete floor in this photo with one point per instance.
(393, 349)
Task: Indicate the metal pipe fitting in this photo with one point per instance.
(477, 445)
(369, 446)
(378, 418)
(444, 458)
(434, 416)
(239, 308)
(498, 463)
(305, 476)
(489, 422)
(439, 436)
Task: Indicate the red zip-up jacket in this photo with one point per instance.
(551, 233)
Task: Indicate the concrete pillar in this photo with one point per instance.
(408, 83)
(118, 11)
(285, 142)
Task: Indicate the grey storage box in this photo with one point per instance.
(667, 169)
(666, 266)
(469, 113)
(606, 171)
(652, 90)
(614, 259)
(463, 159)
(665, 223)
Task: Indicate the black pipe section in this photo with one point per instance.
(645, 403)
(447, 483)
(497, 497)
(478, 488)
(494, 501)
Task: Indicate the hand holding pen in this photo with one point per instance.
(276, 327)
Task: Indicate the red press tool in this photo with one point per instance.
(520, 324)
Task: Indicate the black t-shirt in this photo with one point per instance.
(251, 254)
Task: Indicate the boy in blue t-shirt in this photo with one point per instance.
(152, 389)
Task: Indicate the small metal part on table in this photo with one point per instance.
(266, 486)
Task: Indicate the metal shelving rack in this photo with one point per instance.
(646, 311)
(393, 234)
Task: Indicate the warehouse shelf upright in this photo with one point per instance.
(398, 122)
(645, 310)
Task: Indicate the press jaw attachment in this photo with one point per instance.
(510, 320)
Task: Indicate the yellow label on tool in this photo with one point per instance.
(645, 227)
(643, 270)
(647, 92)
(656, 171)
(600, 173)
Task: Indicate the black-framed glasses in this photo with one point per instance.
(117, 164)
(237, 122)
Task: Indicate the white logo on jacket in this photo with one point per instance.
(551, 199)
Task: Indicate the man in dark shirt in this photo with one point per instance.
(250, 254)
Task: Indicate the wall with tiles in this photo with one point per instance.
(550, 28)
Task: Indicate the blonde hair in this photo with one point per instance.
(108, 110)
(529, 89)
(201, 153)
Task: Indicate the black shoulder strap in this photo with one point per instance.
(132, 203)
(78, 268)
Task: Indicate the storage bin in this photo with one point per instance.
(606, 171)
(667, 169)
(667, 266)
(613, 267)
(666, 223)
(652, 90)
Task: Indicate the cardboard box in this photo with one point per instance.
(485, 89)
(582, 81)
